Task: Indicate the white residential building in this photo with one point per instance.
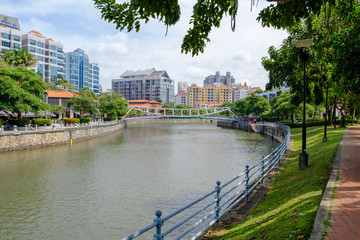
(148, 85)
(273, 93)
(48, 52)
(181, 98)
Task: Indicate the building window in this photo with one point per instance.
(39, 51)
(16, 38)
(5, 36)
(32, 42)
(40, 44)
(40, 59)
(52, 47)
(16, 45)
(32, 49)
(5, 44)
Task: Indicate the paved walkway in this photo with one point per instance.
(345, 210)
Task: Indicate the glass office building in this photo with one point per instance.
(80, 71)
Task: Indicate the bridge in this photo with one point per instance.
(137, 112)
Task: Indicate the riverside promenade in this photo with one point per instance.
(344, 202)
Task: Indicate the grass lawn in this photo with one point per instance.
(289, 208)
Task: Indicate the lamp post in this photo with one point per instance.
(304, 156)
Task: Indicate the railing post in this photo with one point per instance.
(262, 168)
(272, 157)
(247, 182)
(14, 128)
(218, 198)
(159, 223)
(278, 151)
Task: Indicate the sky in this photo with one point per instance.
(78, 24)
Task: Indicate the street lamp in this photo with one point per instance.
(304, 156)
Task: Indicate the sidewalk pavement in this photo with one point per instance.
(345, 206)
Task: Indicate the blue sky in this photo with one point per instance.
(78, 24)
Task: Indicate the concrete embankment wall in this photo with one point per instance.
(10, 141)
(140, 122)
(272, 131)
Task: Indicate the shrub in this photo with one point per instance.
(19, 122)
(85, 120)
(71, 120)
(1, 122)
(41, 122)
(108, 119)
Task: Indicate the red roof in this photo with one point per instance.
(60, 94)
(35, 32)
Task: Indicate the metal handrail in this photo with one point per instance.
(223, 201)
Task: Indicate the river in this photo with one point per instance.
(109, 187)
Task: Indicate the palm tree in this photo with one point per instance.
(19, 58)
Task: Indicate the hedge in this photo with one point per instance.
(320, 123)
(1, 122)
(85, 120)
(41, 122)
(108, 119)
(19, 122)
(71, 120)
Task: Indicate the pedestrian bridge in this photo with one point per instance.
(218, 113)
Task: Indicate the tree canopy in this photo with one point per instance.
(251, 105)
(112, 104)
(84, 102)
(21, 90)
(19, 58)
(207, 14)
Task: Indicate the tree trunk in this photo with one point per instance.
(334, 115)
(19, 114)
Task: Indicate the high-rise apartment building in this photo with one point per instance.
(208, 94)
(148, 85)
(217, 80)
(182, 87)
(49, 53)
(80, 71)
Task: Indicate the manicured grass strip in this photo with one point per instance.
(289, 208)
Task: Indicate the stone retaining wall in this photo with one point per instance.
(10, 141)
(271, 130)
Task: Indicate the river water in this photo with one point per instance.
(109, 187)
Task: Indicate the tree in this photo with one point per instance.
(282, 106)
(84, 102)
(251, 105)
(207, 14)
(64, 84)
(21, 90)
(4, 64)
(51, 86)
(112, 104)
(19, 58)
(57, 109)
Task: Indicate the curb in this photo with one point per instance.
(322, 214)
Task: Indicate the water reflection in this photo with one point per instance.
(108, 187)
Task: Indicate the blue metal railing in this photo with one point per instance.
(223, 198)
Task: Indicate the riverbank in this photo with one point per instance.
(18, 140)
(289, 208)
(26, 139)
